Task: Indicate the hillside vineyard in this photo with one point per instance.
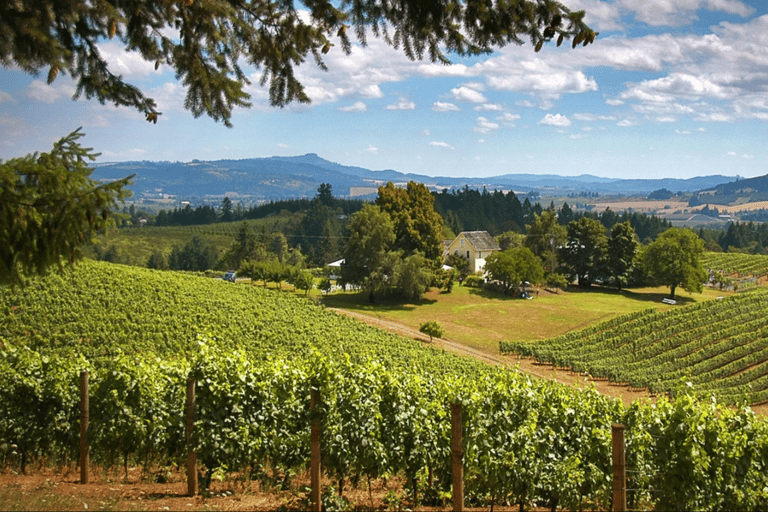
(257, 355)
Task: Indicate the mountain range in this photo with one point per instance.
(259, 179)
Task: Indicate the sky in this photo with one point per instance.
(669, 89)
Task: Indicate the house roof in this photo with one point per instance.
(480, 240)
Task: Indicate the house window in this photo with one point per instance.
(461, 242)
(467, 254)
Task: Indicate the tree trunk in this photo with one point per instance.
(672, 291)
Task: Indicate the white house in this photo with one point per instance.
(473, 246)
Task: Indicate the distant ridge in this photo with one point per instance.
(758, 185)
(274, 178)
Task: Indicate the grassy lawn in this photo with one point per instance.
(481, 319)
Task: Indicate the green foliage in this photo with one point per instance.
(384, 400)
(433, 329)
(545, 235)
(513, 267)
(196, 255)
(417, 226)
(720, 346)
(622, 251)
(303, 280)
(510, 240)
(413, 277)
(474, 280)
(50, 208)
(367, 252)
(206, 42)
(585, 254)
(555, 280)
(674, 259)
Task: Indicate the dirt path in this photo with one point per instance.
(529, 366)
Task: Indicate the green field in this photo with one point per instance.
(481, 319)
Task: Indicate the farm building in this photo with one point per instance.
(473, 246)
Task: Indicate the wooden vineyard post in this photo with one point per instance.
(191, 454)
(84, 419)
(619, 469)
(457, 455)
(314, 469)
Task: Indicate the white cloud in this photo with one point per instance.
(358, 106)
(438, 144)
(489, 107)
(625, 123)
(58, 90)
(601, 16)
(555, 120)
(680, 12)
(440, 106)
(508, 119)
(468, 94)
(373, 150)
(593, 117)
(483, 125)
(128, 64)
(128, 154)
(402, 104)
(6, 98)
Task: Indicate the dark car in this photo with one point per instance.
(229, 276)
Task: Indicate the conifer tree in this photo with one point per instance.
(206, 42)
(50, 208)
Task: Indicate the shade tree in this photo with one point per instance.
(512, 267)
(674, 260)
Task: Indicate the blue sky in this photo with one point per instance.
(670, 88)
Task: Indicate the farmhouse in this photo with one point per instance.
(473, 246)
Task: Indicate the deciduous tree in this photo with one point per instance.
(513, 266)
(418, 227)
(367, 253)
(674, 259)
(206, 42)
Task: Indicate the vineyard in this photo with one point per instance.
(257, 356)
(135, 245)
(720, 347)
(744, 270)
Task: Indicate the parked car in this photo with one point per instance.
(229, 276)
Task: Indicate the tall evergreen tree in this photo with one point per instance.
(50, 208)
(622, 250)
(586, 251)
